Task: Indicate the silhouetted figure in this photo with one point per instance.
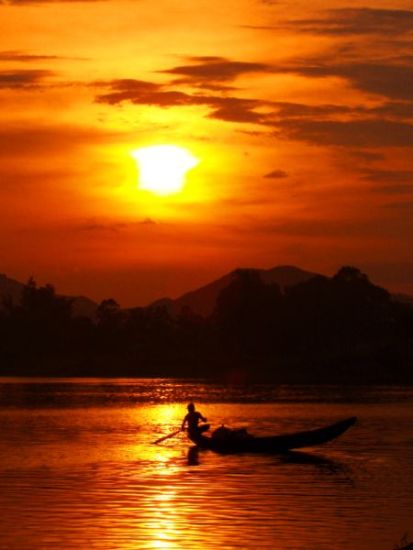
(192, 419)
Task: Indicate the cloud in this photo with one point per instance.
(276, 174)
(34, 2)
(234, 109)
(141, 92)
(399, 176)
(19, 56)
(323, 124)
(384, 125)
(356, 133)
(102, 225)
(394, 109)
(148, 221)
(390, 182)
(354, 21)
(388, 110)
(214, 69)
(367, 156)
(24, 79)
(392, 80)
(300, 110)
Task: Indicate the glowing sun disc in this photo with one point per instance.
(162, 168)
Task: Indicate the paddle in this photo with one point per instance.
(166, 437)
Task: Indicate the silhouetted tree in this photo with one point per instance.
(324, 329)
(109, 314)
(42, 303)
(350, 274)
(38, 327)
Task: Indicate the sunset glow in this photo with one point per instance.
(162, 168)
(299, 116)
(206, 274)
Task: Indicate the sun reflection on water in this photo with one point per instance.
(91, 477)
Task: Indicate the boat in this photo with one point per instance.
(247, 443)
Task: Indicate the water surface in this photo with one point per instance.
(78, 469)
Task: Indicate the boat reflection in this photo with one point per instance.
(289, 457)
(193, 456)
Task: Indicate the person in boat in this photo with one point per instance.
(192, 419)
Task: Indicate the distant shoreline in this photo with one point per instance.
(223, 381)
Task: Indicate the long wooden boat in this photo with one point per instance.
(276, 443)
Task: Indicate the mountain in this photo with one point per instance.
(318, 329)
(11, 289)
(202, 300)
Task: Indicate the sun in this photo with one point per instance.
(162, 168)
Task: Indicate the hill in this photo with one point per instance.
(11, 289)
(202, 300)
(307, 328)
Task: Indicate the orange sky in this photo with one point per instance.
(301, 117)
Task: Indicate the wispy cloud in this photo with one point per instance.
(391, 176)
(366, 155)
(206, 70)
(23, 79)
(353, 21)
(136, 91)
(233, 109)
(368, 67)
(357, 133)
(387, 124)
(353, 126)
(390, 182)
(34, 2)
(141, 92)
(20, 56)
(301, 110)
(276, 174)
(393, 80)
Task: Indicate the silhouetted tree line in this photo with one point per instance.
(339, 329)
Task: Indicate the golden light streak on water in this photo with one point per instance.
(87, 475)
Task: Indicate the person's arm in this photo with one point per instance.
(203, 418)
(184, 421)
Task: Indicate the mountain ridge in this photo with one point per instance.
(202, 300)
(338, 329)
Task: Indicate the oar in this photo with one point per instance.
(166, 437)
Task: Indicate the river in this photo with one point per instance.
(79, 470)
